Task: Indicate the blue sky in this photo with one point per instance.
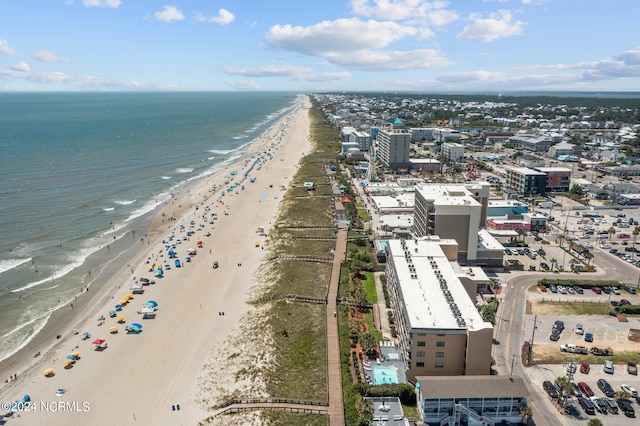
(319, 45)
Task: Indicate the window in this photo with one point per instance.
(439, 354)
(419, 364)
(420, 354)
(439, 344)
(422, 343)
(440, 335)
(439, 364)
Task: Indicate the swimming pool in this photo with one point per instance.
(384, 375)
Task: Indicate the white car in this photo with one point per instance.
(630, 389)
(579, 329)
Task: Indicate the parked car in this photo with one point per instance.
(543, 288)
(550, 389)
(587, 405)
(606, 388)
(579, 329)
(629, 289)
(626, 407)
(588, 337)
(555, 335)
(585, 368)
(624, 302)
(585, 389)
(615, 290)
(544, 266)
(608, 367)
(632, 368)
(579, 289)
(632, 391)
(553, 288)
(600, 405)
(596, 290)
(606, 289)
(542, 252)
(611, 405)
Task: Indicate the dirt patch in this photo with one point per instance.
(528, 308)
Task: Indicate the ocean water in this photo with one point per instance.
(77, 170)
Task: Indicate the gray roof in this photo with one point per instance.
(472, 387)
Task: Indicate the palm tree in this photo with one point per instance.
(525, 412)
(365, 410)
(522, 233)
(611, 231)
(553, 261)
(560, 238)
(573, 262)
(589, 256)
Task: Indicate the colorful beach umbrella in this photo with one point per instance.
(48, 372)
(71, 357)
(120, 319)
(151, 303)
(113, 329)
(67, 362)
(76, 354)
(97, 342)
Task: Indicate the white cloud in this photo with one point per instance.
(224, 17)
(380, 60)
(21, 67)
(244, 85)
(5, 49)
(500, 80)
(497, 25)
(45, 56)
(267, 71)
(428, 12)
(102, 3)
(169, 14)
(337, 36)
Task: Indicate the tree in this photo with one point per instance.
(522, 233)
(560, 239)
(576, 191)
(594, 422)
(623, 395)
(365, 410)
(368, 343)
(589, 257)
(525, 412)
(573, 262)
(611, 231)
(553, 261)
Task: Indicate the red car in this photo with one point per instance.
(624, 302)
(596, 290)
(543, 288)
(585, 389)
(585, 368)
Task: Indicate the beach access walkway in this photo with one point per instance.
(334, 372)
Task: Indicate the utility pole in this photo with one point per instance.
(513, 359)
(533, 333)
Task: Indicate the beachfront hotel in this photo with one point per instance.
(440, 332)
(452, 211)
(393, 147)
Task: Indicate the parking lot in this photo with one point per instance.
(607, 331)
(577, 416)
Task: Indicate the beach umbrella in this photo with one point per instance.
(76, 354)
(112, 313)
(97, 342)
(151, 303)
(48, 372)
(135, 324)
(124, 301)
(71, 357)
(67, 362)
(130, 295)
(118, 307)
(113, 329)
(120, 319)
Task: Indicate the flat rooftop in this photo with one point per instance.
(433, 295)
(554, 169)
(525, 171)
(447, 195)
(433, 387)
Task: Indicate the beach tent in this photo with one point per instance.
(97, 342)
(159, 273)
(71, 358)
(177, 263)
(49, 372)
(118, 307)
(147, 309)
(136, 325)
(112, 313)
(76, 354)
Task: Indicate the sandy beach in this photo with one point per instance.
(142, 378)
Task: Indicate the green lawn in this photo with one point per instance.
(372, 329)
(370, 287)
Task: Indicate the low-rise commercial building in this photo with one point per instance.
(526, 181)
(475, 401)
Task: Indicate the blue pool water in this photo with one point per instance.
(384, 375)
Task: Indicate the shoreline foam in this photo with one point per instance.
(187, 308)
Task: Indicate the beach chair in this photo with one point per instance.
(60, 391)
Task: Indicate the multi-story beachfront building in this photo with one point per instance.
(452, 211)
(440, 332)
(393, 148)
